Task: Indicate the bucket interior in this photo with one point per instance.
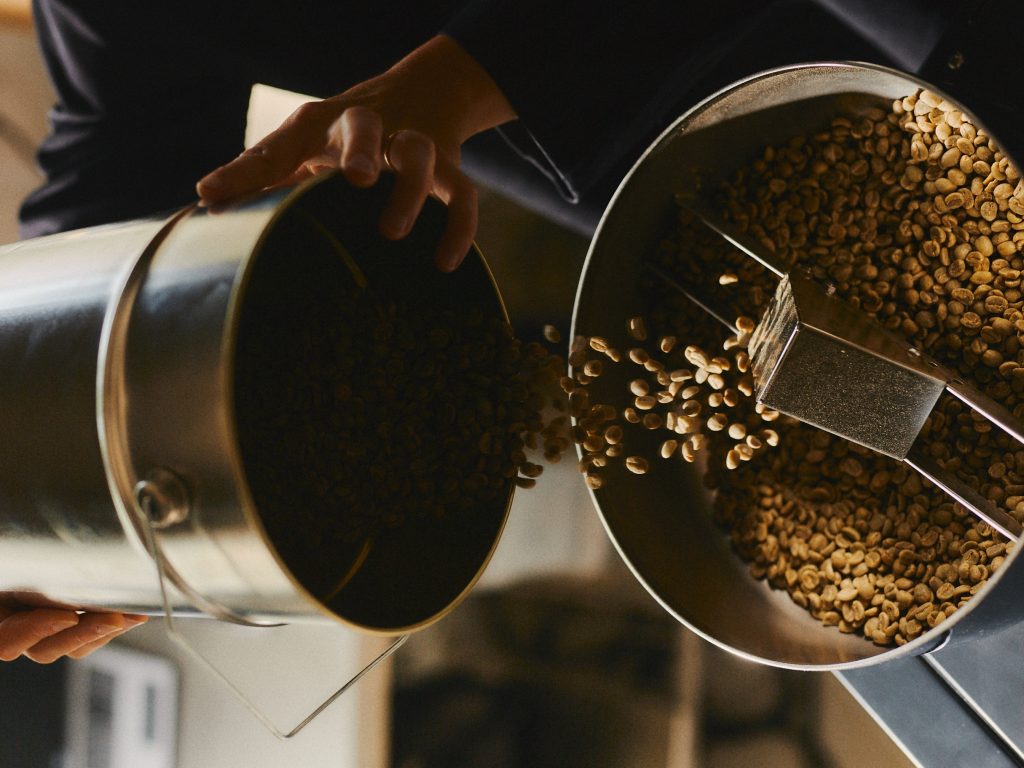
(324, 388)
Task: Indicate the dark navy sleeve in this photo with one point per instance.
(587, 77)
(908, 29)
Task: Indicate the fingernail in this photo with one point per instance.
(396, 227)
(360, 164)
(134, 621)
(102, 630)
(447, 262)
(210, 184)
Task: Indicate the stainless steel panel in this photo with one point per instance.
(925, 717)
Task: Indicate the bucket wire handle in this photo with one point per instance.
(149, 533)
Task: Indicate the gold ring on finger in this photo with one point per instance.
(386, 148)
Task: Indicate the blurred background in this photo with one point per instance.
(558, 658)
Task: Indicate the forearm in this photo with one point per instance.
(450, 91)
(591, 79)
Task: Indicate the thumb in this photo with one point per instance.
(275, 158)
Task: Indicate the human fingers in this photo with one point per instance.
(356, 138)
(130, 623)
(411, 154)
(93, 631)
(20, 630)
(460, 194)
(277, 156)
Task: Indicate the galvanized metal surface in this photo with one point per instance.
(60, 537)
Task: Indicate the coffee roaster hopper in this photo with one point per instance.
(662, 524)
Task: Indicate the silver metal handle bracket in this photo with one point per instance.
(163, 498)
(158, 501)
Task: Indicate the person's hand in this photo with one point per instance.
(413, 119)
(47, 634)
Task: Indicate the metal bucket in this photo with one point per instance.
(118, 410)
(661, 524)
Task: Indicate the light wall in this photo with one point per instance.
(25, 97)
